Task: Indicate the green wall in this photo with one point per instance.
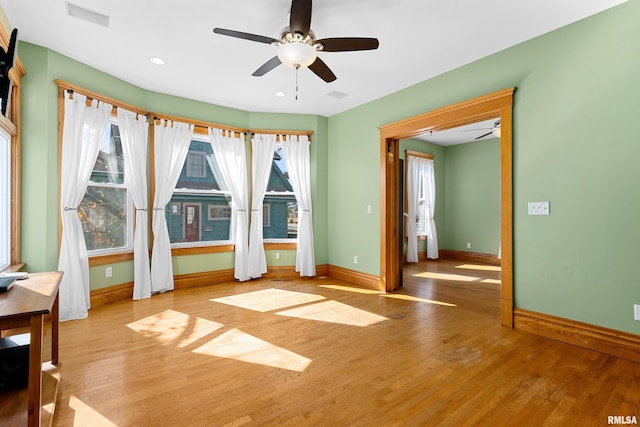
(575, 145)
(40, 159)
(472, 204)
(467, 194)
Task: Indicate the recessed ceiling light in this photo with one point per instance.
(156, 60)
(280, 94)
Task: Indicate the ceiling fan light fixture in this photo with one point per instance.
(496, 129)
(296, 54)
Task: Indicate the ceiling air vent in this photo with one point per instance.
(336, 94)
(87, 15)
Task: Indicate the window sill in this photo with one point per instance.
(282, 246)
(110, 259)
(13, 268)
(196, 250)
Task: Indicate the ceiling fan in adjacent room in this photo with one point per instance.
(495, 130)
(298, 46)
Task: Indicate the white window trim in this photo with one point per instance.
(5, 198)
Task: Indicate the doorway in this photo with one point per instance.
(191, 222)
(494, 105)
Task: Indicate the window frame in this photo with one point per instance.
(278, 240)
(408, 153)
(12, 125)
(208, 243)
(6, 178)
(129, 212)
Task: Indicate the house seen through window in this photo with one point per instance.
(199, 211)
(280, 208)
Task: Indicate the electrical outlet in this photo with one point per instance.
(108, 272)
(636, 311)
(369, 209)
(355, 259)
(277, 255)
(468, 245)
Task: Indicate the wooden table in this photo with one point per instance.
(25, 305)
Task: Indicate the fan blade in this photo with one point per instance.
(475, 130)
(267, 66)
(300, 17)
(322, 70)
(480, 137)
(347, 44)
(245, 36)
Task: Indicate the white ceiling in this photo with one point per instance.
(460, 135)
(419, 39)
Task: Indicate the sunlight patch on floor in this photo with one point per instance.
(268, 299)
(239, 422)
(85, 415)
(350, 289)
(174, 328)
(492, 281)
(334, 312)
(480, 267)
(416, 299)
(446, 276)
(235, 344)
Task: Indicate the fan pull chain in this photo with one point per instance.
(297, 68)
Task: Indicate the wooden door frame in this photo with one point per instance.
(494, 105)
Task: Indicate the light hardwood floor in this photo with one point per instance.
(326, 353)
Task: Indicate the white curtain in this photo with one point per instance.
(83, 130)
(262, 147)
(229, 151)
(420, 175)
(296, 155)
(134, 135)
(430, 199)
(171, 145)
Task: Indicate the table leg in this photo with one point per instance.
(55, 327)
(35, 371)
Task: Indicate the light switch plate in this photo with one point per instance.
(538, 208)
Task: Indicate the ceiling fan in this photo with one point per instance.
(298, 47)
(492, 130)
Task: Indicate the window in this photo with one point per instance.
(106, 211)
(280, 217)
(196, 164)
(421, 212)
(5, 199)
(199, 212)
(266, 210)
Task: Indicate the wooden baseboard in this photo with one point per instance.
(100, 297)
(192, 280)
(469, 256)
(124, 291)
(604, 340)
(289, 272)
(368, 281)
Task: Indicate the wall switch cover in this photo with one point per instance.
(538, 208)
